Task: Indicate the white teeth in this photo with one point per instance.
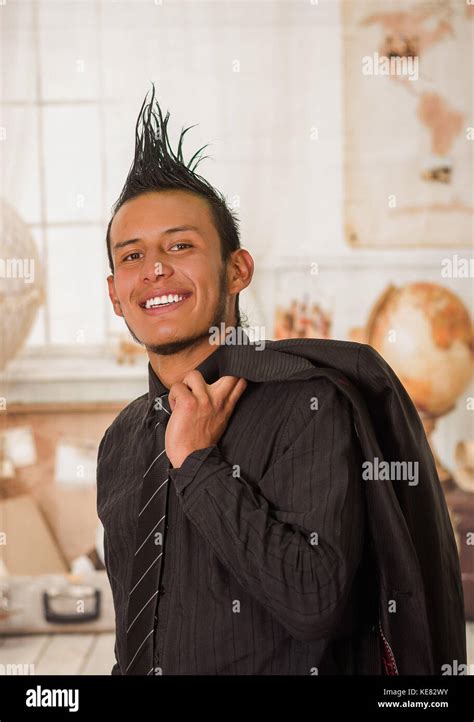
(163, 300)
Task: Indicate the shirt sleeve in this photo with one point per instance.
(297, 558)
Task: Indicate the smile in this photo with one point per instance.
(162, 303)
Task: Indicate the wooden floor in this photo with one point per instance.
(60, 653)
(86, 653)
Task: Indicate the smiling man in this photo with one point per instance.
(239, 535)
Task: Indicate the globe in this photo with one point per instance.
(425, 333)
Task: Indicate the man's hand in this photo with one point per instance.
(200, 413)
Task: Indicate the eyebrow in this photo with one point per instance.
(169, 231)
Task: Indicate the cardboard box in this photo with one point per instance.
(27, 545)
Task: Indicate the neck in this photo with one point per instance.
(172, 369)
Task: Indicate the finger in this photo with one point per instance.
(236, 393)
(226, 382)
(194, 380)
(178, 391)
(221, 389)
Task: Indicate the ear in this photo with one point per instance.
(113, 296)
(240, 271)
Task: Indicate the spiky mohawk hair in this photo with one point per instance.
(156, 168)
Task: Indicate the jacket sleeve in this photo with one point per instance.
(297, 558)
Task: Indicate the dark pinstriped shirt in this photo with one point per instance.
(266, 567)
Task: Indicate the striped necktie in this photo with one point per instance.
(143, 596)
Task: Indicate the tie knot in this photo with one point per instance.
(162, 409)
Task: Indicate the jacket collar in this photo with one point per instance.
(279, 360)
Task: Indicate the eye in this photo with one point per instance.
(188, 245)
(134, 253)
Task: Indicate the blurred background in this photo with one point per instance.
(342, 135)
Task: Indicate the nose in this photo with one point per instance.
(153, 267)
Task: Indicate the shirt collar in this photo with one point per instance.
(211, 369)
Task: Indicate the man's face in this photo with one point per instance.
(152, 259)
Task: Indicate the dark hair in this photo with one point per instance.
(157, 168)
